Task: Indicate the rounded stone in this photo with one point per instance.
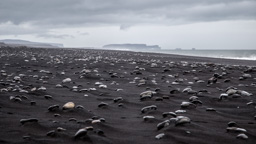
(163, 124)
(80, 133)
(160, 136)
(147, 108)
(180, 120)
(53, 108)
(232, 124)
(102, 104)
(68, 105)
(23, 121)
(242, 136)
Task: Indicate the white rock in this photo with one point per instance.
(68, 105)
(247, 75)
(98, 83)
(42, 88)
(80, 133)
(242, 136)
(187, 90)
(17, 78)
(180, 111)
(148, 117)
(66, 80)
(159, 136)
(245, 93)
(102, 86)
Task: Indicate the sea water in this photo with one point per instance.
(228, 54)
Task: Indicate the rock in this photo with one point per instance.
(60, 129)
(96, 121)
(51, 133)
(232, 124)
(180, 120)
(23, 121)
(251, 103)
(244, 93)
(72, 119)
(17, 78)
(99, 132)
(145, 97)
(210, 109)
(98, 83)
(242, 136)
(102, 86)
(57, 115)
(53, 108)
(147, 108)
(163, 124)
(160, 136)
(212, 80)
(186, 90)
(89, 128)
(231, 91)
(48, 97)
(66, 80)
(246, 76)
(153, 65)
(79, 107)
(158, 99)
(102, 104)
(197, 102)
(42, 88)
(227, 80)
(118, 99)
(235, 129)
(165, 114)
(58, 86)
(26, 137)
(192, 98)
(180, 111)
(68, 105)
(33, 89)
(80, 133)
(32, 103)
(187, 105)
(120, 105)
(147, 93)
(223, 96)
(15, 99)
(175, 91)
(146, 118)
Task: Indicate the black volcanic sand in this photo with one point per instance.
(25, 72)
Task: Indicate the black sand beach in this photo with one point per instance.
(187, 100)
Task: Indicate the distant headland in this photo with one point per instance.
(17, 42)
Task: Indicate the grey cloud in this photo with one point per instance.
(64, 13)
(48, 36)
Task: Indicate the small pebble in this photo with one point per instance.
(160, 136)
(23, 121)
(102, 104)
(147, 108)
(68, 105)
(80, 133)
(242, 136)
(51, 133)
(53, 108)
(163, 124)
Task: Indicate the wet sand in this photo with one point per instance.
(215, 98)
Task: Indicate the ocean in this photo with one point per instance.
(228, 54)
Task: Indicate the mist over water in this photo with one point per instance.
(229, 54)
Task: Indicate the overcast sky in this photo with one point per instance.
(201, 24)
